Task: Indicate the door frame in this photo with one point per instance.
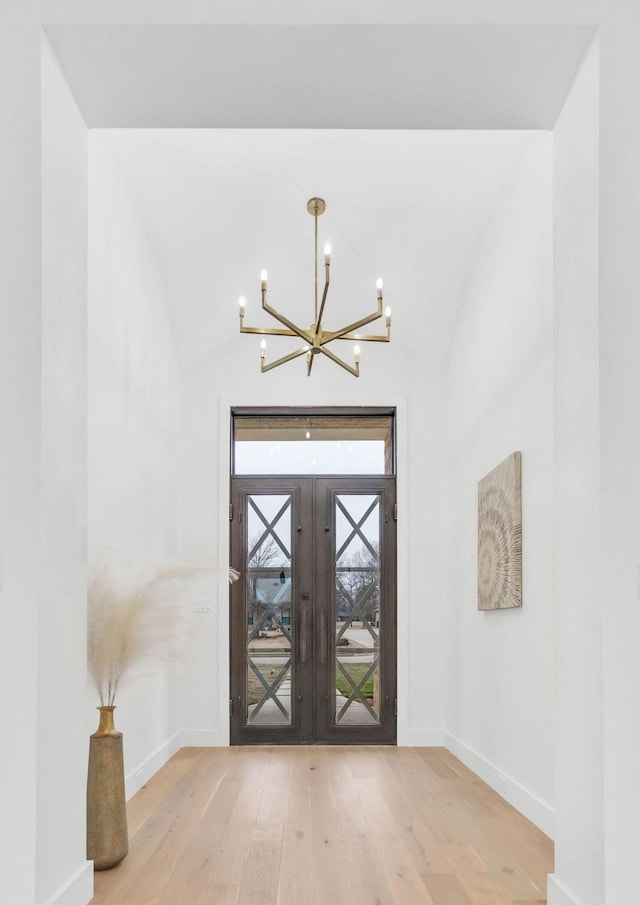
(218, 428)
(332, 410)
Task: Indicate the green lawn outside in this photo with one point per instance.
(255, 689)
(355, 671)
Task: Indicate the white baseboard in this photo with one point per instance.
(134, 780)
(558, 894)
(421, 738)
(185, 738)
(204, 738)
(78, 890)
(533, 808)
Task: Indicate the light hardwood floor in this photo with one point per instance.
(325, 826)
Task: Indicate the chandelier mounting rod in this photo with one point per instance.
(316, 207)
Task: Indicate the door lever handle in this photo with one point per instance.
(304, 634)
(323, 640)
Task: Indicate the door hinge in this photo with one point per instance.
(230, 512)
(230, 706)
(395, 707)
(395, 512)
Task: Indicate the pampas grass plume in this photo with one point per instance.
(134, 628)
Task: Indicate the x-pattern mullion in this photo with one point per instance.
(356, 609)
(356, 694)
(265, 616)
(356, 528)
(270, 689)
(270, 526)
(255, 630)
(286, 631)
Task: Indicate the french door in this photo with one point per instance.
(313, 616)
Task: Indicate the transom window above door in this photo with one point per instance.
(313, 441)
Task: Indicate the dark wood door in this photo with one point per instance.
(313, 616)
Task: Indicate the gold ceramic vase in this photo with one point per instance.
(107, 837)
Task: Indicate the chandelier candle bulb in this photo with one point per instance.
(242, 304)
(263, 348)
(327, 253)
(263, 279)
(387, 314)
(379, 287)
(356, 352)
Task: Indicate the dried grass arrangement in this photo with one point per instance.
(133, 628)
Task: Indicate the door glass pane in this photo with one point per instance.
(269, 617)
(313, 444)
(310, 457)
(357, 609)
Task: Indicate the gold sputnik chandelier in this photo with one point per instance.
(315, 339)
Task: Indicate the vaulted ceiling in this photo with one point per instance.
(408, 129)
(410, 206)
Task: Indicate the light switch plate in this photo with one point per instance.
(203, 605)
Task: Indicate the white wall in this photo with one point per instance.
(20, 273)
(62, 744)
(579, 869)
(389, 376)
(499, 399)
(619, 324)
(134, 426)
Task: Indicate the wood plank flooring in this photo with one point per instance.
(325, 826)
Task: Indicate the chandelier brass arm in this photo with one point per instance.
(315, 338)
(346, 332)
(280, 361)
(343, 364)
(366, 337)
(268, 331)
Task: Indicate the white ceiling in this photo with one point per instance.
(404, 76)
(221, 201)
(220, 205)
